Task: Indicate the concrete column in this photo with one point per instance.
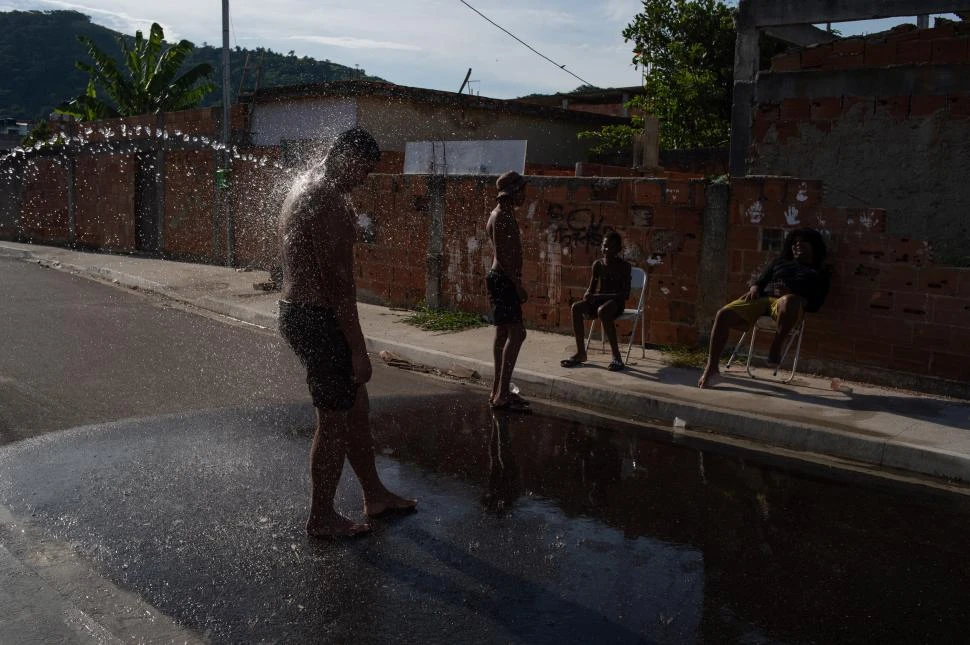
(71, 199)
(746, 55)
(651, 141)
(436, 228)
(160, 184)
(711, 276)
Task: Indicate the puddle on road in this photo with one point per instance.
(785, 557)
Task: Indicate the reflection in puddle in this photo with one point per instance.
(765, 555)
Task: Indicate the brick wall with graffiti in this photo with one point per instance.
(563, 223)
(891, 306)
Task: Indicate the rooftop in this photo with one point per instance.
(404, 93)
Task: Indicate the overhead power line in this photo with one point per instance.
(533, 49)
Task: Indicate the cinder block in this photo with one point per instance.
(826, 108)
(814, 57)
(950, 311)
(849, 46)
(844, 61)
(786, 62)
(950, 50)
(914, 52)
(926, 105)
(796, 109)
(950, 366)
(958, 106)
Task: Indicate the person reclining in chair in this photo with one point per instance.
(794, 283)
(612, 277)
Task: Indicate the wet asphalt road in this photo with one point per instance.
(531, 529)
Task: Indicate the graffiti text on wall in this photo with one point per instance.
(576, 227)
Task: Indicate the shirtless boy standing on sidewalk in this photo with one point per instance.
(505, 292)
(318, 318)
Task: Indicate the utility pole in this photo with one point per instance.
(227, 215)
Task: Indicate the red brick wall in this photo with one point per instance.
(390, 266)
(943, 45)
(105, 211)
(257, 193)
(889, 306)
(562, 223)
(190, 198)
(44, 213)
(905, 152)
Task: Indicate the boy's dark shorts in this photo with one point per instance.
(316, 338)
(506, 306)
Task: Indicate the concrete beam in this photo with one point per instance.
(801, 35)
(767, 13)
(893, 81)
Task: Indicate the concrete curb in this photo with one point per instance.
(768, 431)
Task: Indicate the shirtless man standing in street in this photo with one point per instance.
(505, 292)
(318, 318)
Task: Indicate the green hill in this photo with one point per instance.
(38, 50)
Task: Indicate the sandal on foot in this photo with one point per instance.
(615, 365)
(570, 362)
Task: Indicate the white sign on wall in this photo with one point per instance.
(464, 157)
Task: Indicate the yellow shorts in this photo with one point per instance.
(752, 310)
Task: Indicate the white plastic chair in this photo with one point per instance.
(638, 280)
(765, 323)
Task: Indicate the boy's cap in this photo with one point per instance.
(509, 183)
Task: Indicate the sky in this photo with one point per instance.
(421, 43)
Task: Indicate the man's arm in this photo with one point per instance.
(335, 262)
(594, 280)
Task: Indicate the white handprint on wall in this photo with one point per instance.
(755, 213)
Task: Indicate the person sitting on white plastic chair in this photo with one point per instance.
(612, 276)
(794, 283)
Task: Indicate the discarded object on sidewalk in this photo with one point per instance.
(459, 371)
(679, 423)
(400, 362)
(838, 386)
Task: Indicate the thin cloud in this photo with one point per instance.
(348, 42)
(119, 21)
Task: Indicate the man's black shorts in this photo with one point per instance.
(316, 338)
(506, 305)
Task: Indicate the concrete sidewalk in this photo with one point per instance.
(899, 431)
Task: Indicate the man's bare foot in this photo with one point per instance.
(335, 526)
(387, 504)
(709, 378)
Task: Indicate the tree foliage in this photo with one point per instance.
(686, 48)
(686, 51)
(147, 81)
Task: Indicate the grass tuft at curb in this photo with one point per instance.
(428, 319)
